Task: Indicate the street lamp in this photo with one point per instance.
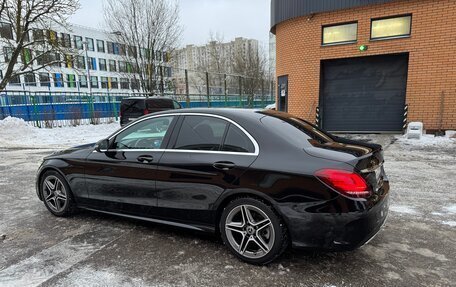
(89, 81)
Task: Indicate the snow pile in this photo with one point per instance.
(14, 123)
(17, 133)
(428, 141)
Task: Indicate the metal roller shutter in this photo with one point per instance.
(365, 94)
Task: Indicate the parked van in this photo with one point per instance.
(135, 107)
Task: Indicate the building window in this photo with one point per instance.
(71, 81)
(122, 49)
(112, 66)
(44, 80)
(81, 62)
(6, 30)
(78, 42)
(100, 46)
(134, 84)
(340, 34)
(15, 80)
(30, 79)
(104, 82)
(391, 27)
(114, 83)
(102, 64)
(83, 81)
(7, 53)
(69, 61)
(38, 35)
(52, 37)
(26, 56)
(66, 40)
(56, 62)
(90, 45)
(122, 66)
(94, 81)
(110, 46)
(132, 51)
(58, 80)
(124, 84)
(92, 63)
(115, 48)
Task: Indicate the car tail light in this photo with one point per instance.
(146, 111)
(346, 182)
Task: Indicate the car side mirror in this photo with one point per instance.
(102, 146)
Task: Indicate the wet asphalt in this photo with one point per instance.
(417, 246)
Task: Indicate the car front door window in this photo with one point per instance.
(148, 134)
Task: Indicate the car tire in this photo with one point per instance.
(56, 194)
(253, 231)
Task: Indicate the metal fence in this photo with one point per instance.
(52, 108)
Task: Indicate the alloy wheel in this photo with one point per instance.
(249, 231)
(54, 193)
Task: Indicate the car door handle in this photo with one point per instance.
(224, 165)
(145, 158)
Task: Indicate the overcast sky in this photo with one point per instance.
(230, 18)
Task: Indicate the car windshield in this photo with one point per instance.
(295, 130)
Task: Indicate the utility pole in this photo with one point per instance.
(208, 90)
(187, 92)
(226, 91)
(89, 82)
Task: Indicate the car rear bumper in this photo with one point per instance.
(344, 230)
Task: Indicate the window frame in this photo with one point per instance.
(90, 44)
(391, 37)
(180, 129)
(102, 64)
(78, 42)
(98, 46)
(166, 138)
(341, 42)
(175, 133)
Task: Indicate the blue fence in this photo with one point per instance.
(40, 107)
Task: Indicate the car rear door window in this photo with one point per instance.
(237, 141)
(201, 133)
(148, 134)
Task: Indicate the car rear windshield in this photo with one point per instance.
(132, 106)
(296, 130)
(160, 104)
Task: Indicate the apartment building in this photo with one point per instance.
(100, 63)
(214, 57)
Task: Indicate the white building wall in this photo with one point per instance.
(84, 32)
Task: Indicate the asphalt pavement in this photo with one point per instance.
(417, 246)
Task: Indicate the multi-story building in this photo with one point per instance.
(214, 57)
(99, 63)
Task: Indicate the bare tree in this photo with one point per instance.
(151, 30)
(22, 17)
(252, 65)
(216, 60)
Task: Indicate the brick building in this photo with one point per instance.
(360, 63)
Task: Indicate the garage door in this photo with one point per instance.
(364, 94)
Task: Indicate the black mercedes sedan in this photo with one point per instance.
(261, 179)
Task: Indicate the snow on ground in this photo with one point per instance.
(427, 141)
(17, 133)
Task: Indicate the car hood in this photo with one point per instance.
(81, 151)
